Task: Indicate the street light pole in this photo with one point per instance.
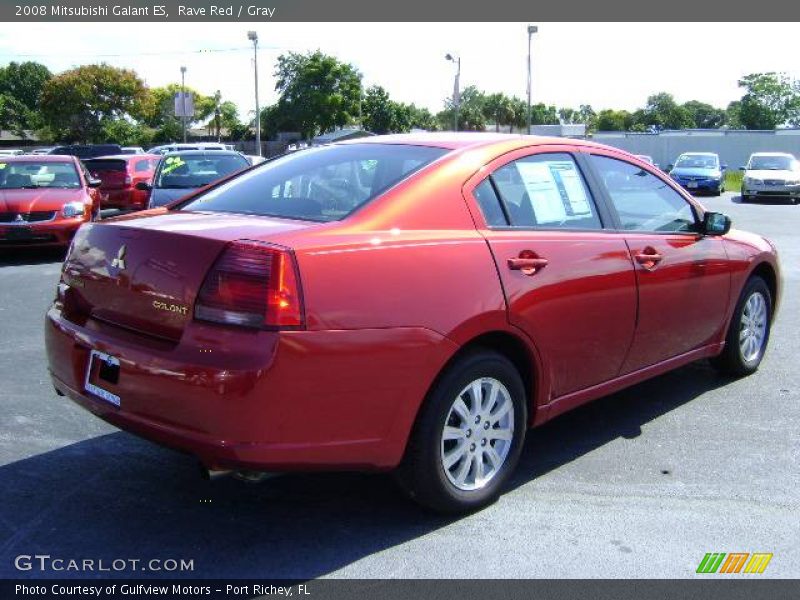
(531, 30)
(253, 37)
(456, 87)
(183, 101)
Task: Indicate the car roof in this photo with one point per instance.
(39, 158)
(450, 140)
(699, 154)
(772, 154)
(124, 156)
(203, 153)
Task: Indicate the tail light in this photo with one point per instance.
(252, 284)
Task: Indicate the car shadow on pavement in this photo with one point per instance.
(31, 256)
(118, 497)
(763, 200)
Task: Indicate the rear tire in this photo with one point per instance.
(748, 333)
(461, 452)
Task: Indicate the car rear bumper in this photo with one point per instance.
(286, 401)
(47, 233)
(708, 185)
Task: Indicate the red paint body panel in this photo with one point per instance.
(391, 294)
(118, 189)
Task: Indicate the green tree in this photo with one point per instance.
(499, 109)
(662, 112)
(14, 115)
(705, 116)
(317, 92)
(156, 109)
(770, 100)
(379, 113)
(24, 82)
(471, 115)
(614, 120)
(77, 103)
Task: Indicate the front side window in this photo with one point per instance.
(643, 201)
(320, 184)
(548, 191)
(34, 174)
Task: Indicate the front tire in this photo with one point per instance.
(748, 334)
(468, 436)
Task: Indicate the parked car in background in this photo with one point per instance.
(132, 150)
(182, 147)
(11, 152)
(44, 199)
(411, 302)
(771, 175)
(38, 151)
(87, 150)
(179, 173)
(646, 158)
(699, 172)
(119, 176)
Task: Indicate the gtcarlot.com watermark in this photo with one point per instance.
(47, 563)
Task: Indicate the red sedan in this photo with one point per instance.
(119, 175)
(44, 199)
(413, 303)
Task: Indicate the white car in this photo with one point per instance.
(11, 152)
(181, 147)
(132, 150)
(771, 174)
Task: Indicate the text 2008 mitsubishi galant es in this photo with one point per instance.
(411, 303)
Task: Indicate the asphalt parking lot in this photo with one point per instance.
(640, 484)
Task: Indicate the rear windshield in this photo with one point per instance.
(105, 165)
(319, 184)
(34, 174)
(193, 171)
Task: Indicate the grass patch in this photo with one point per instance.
(733, 180)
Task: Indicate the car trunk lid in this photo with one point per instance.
(113, 173)
(144, 273)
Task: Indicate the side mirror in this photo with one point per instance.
(670, 166)
(724, 168)
(743, 168)
(715, 223)
(94, 183)
(143, 186)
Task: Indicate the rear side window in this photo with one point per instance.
(144, 165)
(548, 191)
(319, 184)
(490, 204)
(643, 201)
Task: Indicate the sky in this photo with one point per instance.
(607, 65)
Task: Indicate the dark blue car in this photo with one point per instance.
(699, 172)
(179, 173)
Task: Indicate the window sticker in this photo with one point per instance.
(555, 190)
(2, 166)
(171, 163)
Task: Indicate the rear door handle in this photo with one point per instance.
(529, 265)
(648, 258)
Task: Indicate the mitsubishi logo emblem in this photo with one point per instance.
(119, 261)
(19, 219)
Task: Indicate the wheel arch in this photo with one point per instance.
(767, 272)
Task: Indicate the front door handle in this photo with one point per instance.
(648, 258)
(528, 263)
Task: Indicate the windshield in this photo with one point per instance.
(33, 174)
(773, 163)
(193, 171)
(697, 161)
(320, 184)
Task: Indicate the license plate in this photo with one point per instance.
(691, 184)
(102, 372)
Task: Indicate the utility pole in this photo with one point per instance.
(253, 37)
(183, 101)
(531, 30)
